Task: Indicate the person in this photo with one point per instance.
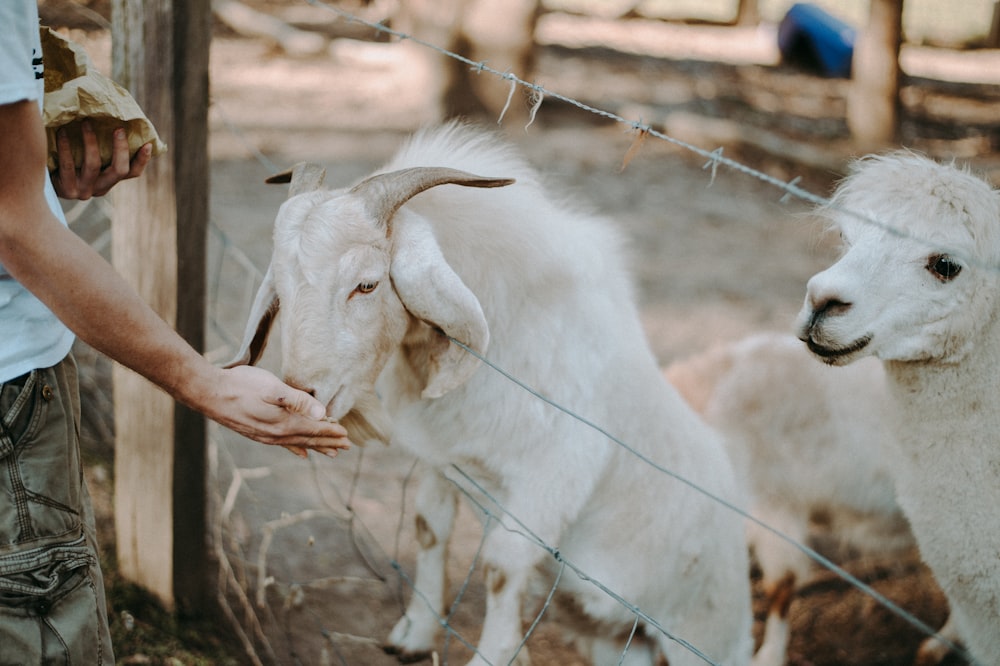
(55, 287)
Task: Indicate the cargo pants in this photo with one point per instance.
(52, 603)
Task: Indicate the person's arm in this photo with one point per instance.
(86, 293)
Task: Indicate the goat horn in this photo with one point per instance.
(304, 177)
(386, 192)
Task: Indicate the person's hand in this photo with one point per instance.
(90, 179)
(256, 404)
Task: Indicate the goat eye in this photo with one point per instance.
(366, 287)
(943, 267)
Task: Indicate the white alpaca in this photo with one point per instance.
(925, 299)
(808, 443)
(368, 279)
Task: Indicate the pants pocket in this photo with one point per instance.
(15, 410)
(41, 478)
(50, 607)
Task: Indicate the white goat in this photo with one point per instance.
(808, 442)
(924, 297)
(370, 282)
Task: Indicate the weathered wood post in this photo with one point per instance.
(873, 98)
(160, 53)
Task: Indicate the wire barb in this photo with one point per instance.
(510, 96)
(713, 162)
(537, 95)
(642, 131)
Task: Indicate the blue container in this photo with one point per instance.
(811, 38)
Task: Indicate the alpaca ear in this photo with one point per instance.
(432, 292)
(262, 314)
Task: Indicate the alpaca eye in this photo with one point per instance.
(366, 287)
(943, 267)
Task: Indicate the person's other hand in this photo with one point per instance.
(90, 179)
(258, 405)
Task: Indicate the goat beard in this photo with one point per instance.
(367, 420)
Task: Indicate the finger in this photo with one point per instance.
(332, 446)
(139, 162)
(300, 402)
(299, 440)
(318, 435)
(120, 168)
(327, 449)
(90, 169)
(120, 156)
(297, 450)
(66, 175)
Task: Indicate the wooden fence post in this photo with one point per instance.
(873, 98)
(160, 53)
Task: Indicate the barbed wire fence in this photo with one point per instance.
(251, 576)
(294, 592)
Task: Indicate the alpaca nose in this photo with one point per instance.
(827, 305)
(824, 297)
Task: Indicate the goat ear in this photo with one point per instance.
(262, 314)
(304, 177)
(432, 292)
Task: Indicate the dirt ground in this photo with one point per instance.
(311, 551)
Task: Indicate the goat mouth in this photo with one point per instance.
(834, 355)
(366, 420)
(361, 413)
(334, 410)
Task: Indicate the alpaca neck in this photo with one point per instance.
(946, 476)
(949, 408)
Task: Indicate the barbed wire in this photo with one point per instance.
(526, 532)
(823, 561)
(264, 581)
(539, 93)
(714, 160)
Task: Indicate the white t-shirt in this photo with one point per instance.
(30, 335)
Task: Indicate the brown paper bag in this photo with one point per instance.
(74, 90)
